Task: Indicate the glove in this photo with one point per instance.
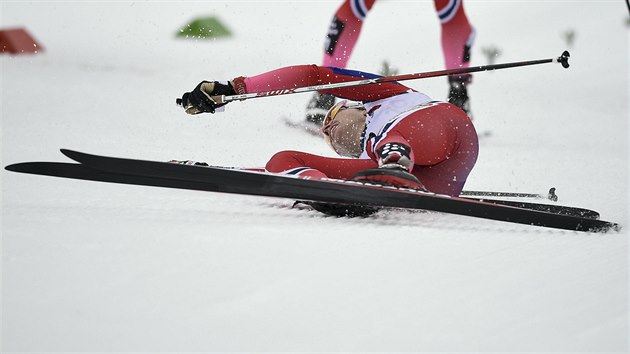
(394, 155)
(200, 99)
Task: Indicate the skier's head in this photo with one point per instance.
(343, 127)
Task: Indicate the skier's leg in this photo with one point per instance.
(344, 32)
(457, 36)
(314, 166)
(309, 166)
(342, 36)
(448, 152)
(443, 146)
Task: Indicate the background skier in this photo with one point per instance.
(457, 36)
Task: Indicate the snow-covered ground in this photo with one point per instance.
(101, 267)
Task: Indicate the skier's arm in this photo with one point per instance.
(199, 100)
(310, 75)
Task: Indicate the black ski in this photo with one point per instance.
(83, 172)
(549, 208)
(151, 173)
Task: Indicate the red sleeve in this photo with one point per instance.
(310, 75)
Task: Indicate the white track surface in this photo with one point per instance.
(101, 267)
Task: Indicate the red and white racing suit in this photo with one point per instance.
(441, 136)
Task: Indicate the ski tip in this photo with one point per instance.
(77, 156)
(13, 167)
(74, 155)
(66, 151)
(24, 167)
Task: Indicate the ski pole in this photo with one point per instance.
(563, 59)
(551, 195)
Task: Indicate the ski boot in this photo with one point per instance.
(394, 162)
(390, 176)
(458, 93)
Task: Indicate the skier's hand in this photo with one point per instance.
(395, 155)
(206, 97)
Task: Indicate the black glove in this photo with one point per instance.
(200, 99)
(395, 155)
